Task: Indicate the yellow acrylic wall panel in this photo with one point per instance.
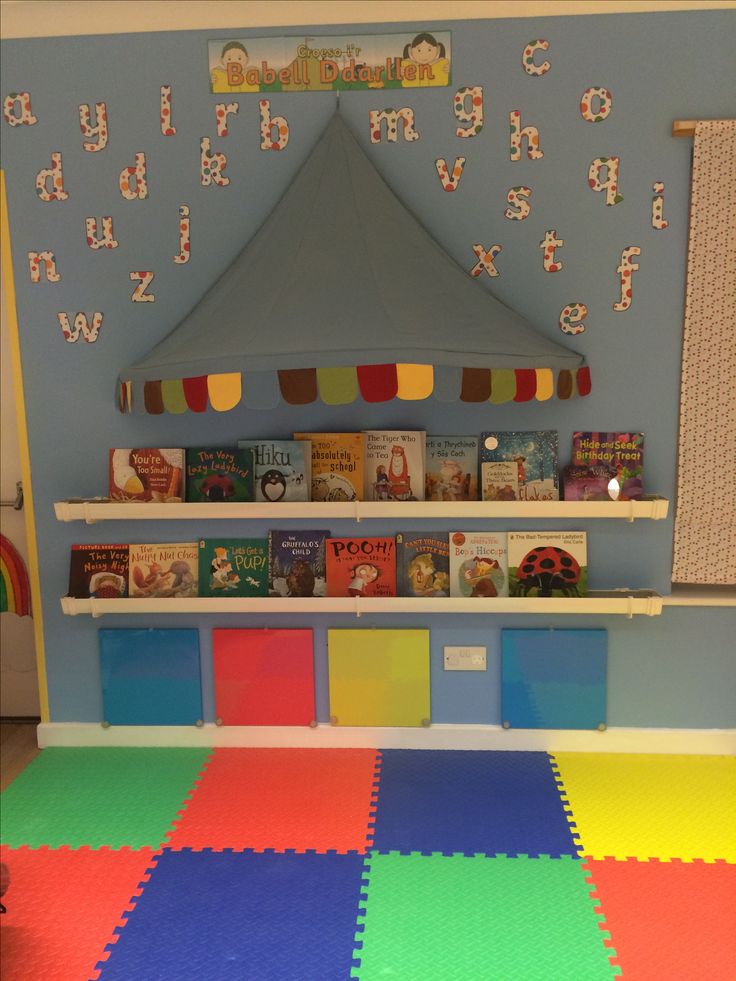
(379, 677)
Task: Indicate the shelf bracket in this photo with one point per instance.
(630, 518)
(96, 614)
(358, 611)
(88, 519)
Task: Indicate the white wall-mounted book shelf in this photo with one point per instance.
(99, 509)
(619, 601)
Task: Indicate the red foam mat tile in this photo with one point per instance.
(63, 906)
(669, 919)
(301, 799)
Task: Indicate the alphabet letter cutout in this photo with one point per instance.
(391, 117)
(572, 317)
(605, 104)
(626, 271)
(50, 181)
(166, 128)
(610, 184)
(184, 221)
(139, 294)
(468, 106)
(222, 111)
(517, 134)
(527, 58)
(133, 183)
(485, 260)
(658, 220)
(81, 325)
(450, 179)
(549, 243)
(90, 130)
(22, 102)
(268, 140)
(94, 240)
(46, 261)
(517, 198)
(211, 165)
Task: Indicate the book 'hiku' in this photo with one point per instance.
(233, 567)
(146, 475)
(297, 563)
(621, 453)
(99, 571)
(166, 570)
(283, 468)
(394, 465)
(478, 564)
(361, 567)
(219, 474)
(422, 564)
(543, 564)
(535, 456)
(451, 468)
(337, 465)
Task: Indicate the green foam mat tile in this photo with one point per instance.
(459, 918)
(99, 797)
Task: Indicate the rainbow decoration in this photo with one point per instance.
(15, 590)
(340, 386)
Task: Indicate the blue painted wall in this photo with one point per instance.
(677, 670)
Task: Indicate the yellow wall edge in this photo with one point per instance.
(25, 456)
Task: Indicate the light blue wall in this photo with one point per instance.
(676, 670)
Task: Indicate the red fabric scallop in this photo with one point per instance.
(584, 383)
(298, 385)
(152, 398)
(526, 384)
(378, 382)
(195, 393)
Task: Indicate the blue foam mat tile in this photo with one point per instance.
(245, 915)
(452, 801)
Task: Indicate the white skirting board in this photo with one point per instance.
(717, 742)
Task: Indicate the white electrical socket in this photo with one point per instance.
(465, 659)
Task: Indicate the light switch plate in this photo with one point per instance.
(465, 659)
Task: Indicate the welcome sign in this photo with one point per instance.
(329, 62)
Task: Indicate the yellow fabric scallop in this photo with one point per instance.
(415, 381)
(545, 384)
(225, 391)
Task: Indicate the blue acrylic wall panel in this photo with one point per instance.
(674, 670)
(150, 677)
(553, 679)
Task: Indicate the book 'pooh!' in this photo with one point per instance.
(146, 475)
(361, 567)
(166, 570)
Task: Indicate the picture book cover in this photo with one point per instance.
(219, 474)
(622, 453)
(500, 481)
(168, 569)
(422, 564)
(146, 475)
(535, 456)
(451, 468)
(98, 570)
(478, 564)
(596, 483)
(337, 465)
(553, 563)
(233, 567)
(297, 563)
(283, 468)
(394, 465)
(361, 567)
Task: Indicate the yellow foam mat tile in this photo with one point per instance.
(650, 806)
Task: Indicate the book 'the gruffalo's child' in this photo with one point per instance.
(361, 567)
(146, 475)
(394, 465)
(422, 564)
(283, 468)
(297, 563)
(337, 465)
(98, 570)
(452, 468)
(551, 563)
(478, 564)
(535, 457)
(219, 474)
(165, 570)
(233, 567)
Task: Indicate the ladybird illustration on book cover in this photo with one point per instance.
(546, 564)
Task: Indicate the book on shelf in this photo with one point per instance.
(594, 483)
(422, 564)
(99, 571)
(394, 465)
(163, 570)
(297, 563)
(478, 564)
(361, 566)
(337, 465)
(621, 455)
(219, 474)
(543, 564)
(233, 567)
(451, 468)
(283, 468)
(535, 455)
(146, 475)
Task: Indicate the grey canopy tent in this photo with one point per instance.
(342, 293)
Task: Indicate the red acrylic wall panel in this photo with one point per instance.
(264, 677)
